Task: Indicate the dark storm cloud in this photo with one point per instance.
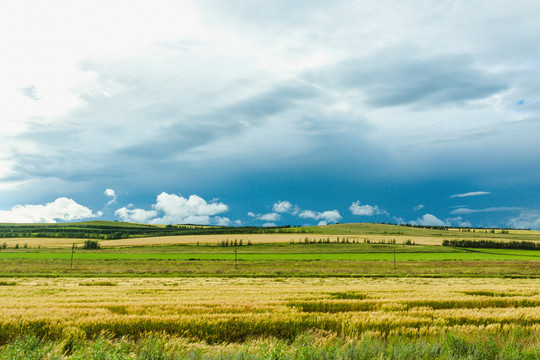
(392, 78)
(128, 134)
(257, 101)
(271, 102)
(189, 131)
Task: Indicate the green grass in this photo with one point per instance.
(118, 230)
(279, 252)
(273, 260)
(335, 229)
(280, 341)
(275, 257)
(284, 248)
(514, 252)
(385, 229)
(268, 268)
(82, 224)
(448, 346)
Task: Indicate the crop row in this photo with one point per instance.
(236, 310)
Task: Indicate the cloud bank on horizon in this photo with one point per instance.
(63, 209)
(385, 111)
(176, 209)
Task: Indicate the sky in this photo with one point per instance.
(278, 112)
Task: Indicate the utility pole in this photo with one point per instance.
(72, 251)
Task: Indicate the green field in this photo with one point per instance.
(385, 229)
(364, 291)
(279, 259)
(113, 230)
(291, 253)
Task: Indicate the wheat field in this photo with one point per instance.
(216, 239)
(218, 310)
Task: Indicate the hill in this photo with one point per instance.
(416, 231)
(107, 230)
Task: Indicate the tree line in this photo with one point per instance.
(110, 232)
(491, 244)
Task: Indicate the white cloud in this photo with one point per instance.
(428, 220)
(265, 217)
(418, 207)
(60, 209)
(282, 206)
(285, 207)
(179, 206)
(222, 221)
(473, 193)
(365, 210)
(270, 217)
(135, 215)
(174, 209)
(526, 220)
(307, 214)
(458, 221)
(329, 216)
(432, 220)
(193, 219)
(269, 224)
(110, 193)
(491, 209)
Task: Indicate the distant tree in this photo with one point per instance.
(91, 245)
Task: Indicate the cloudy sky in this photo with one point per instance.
(243, 112)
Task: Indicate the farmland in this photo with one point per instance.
(273, 295)
(271, 259)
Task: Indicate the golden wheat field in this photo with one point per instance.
(215, 239)
(235, 309)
